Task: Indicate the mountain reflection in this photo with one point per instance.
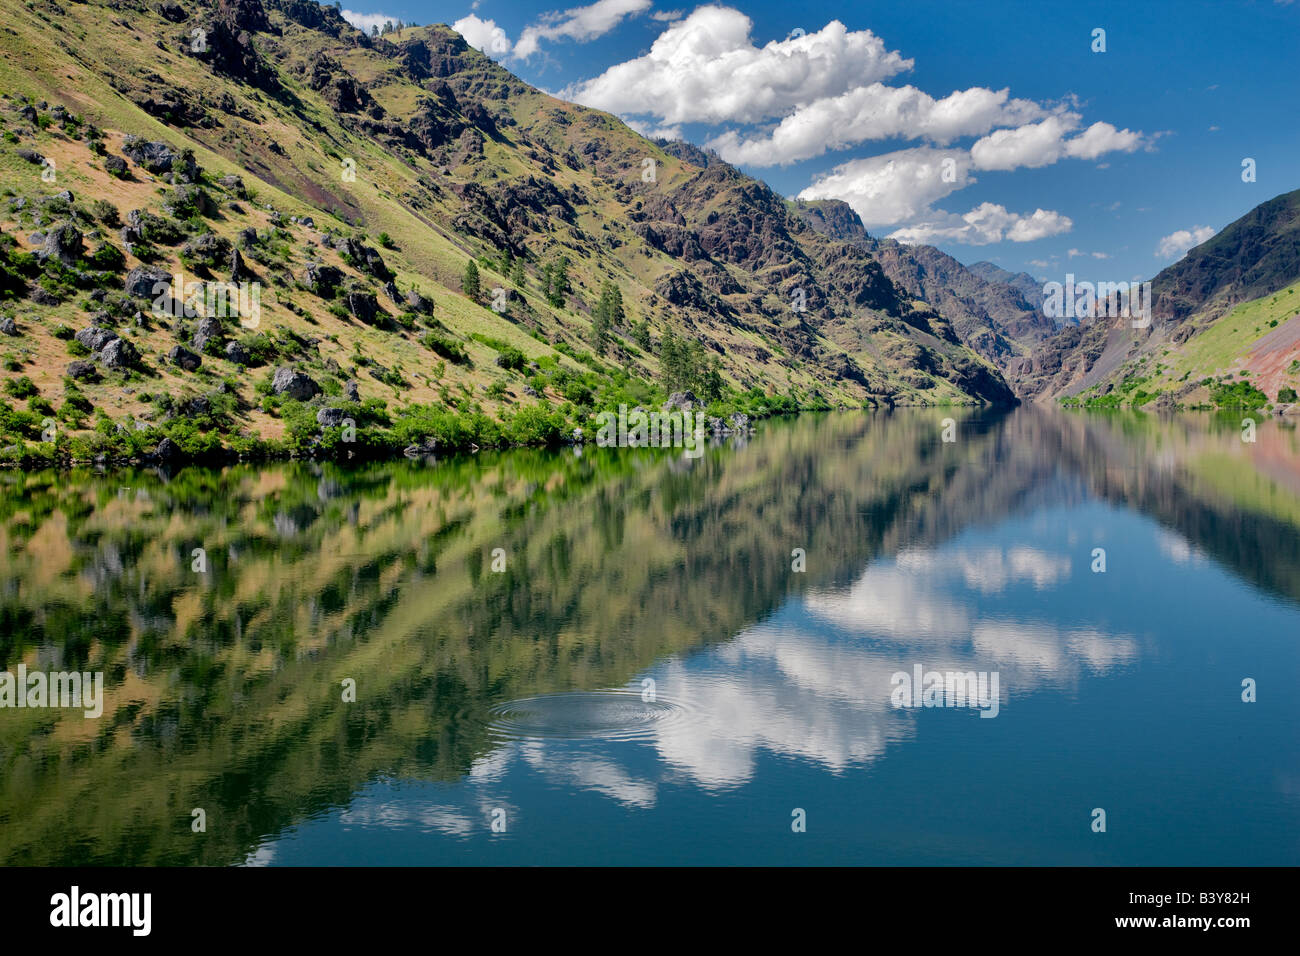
(223, 686)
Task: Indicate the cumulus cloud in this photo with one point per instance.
(987, 223)
(876, 112)
(1043, 143)
(1176, 244)
(365, 21)
(580, 23)
(894, 187)
(483, 35)
(707, 69)
(793, 99)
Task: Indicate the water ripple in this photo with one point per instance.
(585, 715)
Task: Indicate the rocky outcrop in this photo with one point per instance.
(294, 384)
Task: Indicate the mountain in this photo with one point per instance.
(444, 253)
(992, 316)
(1224, 329)
(1030, 289)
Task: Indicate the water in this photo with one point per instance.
(648, 680)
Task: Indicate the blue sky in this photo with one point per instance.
(1059, 159)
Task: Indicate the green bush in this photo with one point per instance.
(21, 387)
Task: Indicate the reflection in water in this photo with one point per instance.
(519, 695)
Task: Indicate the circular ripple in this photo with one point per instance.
(584, 715)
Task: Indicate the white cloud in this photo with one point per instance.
(364, 21)
(876, 112)
(580, 23)
(706, 68)
(1176, 244)
(894, 187)
(483, 35)
(987, 223)
(667, 16)
(1043, 143)
(650, 131)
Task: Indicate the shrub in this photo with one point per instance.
(21, 387)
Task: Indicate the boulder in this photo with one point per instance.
(95, 337)
(352, 392)
(321, 279)
(80, 370)
(183, 358)
(141, 281)
(682, 401)
(8, 326)
(167, 450)
(330, 417)
(118, 353)
(235, 352)
(209, 329)
(63, 243)
(294, 384)
(157, 158)
(418, 303)
(363, 305)
(115, 165)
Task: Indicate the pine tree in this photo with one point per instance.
(518, 276)
(470, 284)
(641, 334)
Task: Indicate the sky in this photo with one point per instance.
(1014, 132)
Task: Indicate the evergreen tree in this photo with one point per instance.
(470, 284)
(517, 275)
(641, 334)
(557, 286)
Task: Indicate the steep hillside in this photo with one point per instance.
(991, 315)
(1030, 289)
(443, 253)
(1224, 331)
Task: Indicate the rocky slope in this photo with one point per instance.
(354, 180)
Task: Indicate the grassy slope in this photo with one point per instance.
(289, 147)
(1260, 338)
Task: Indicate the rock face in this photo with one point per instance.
(330, 417)
(352, 392)
(182, 357)
(294, 384)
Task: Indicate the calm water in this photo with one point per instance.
(522, 697)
